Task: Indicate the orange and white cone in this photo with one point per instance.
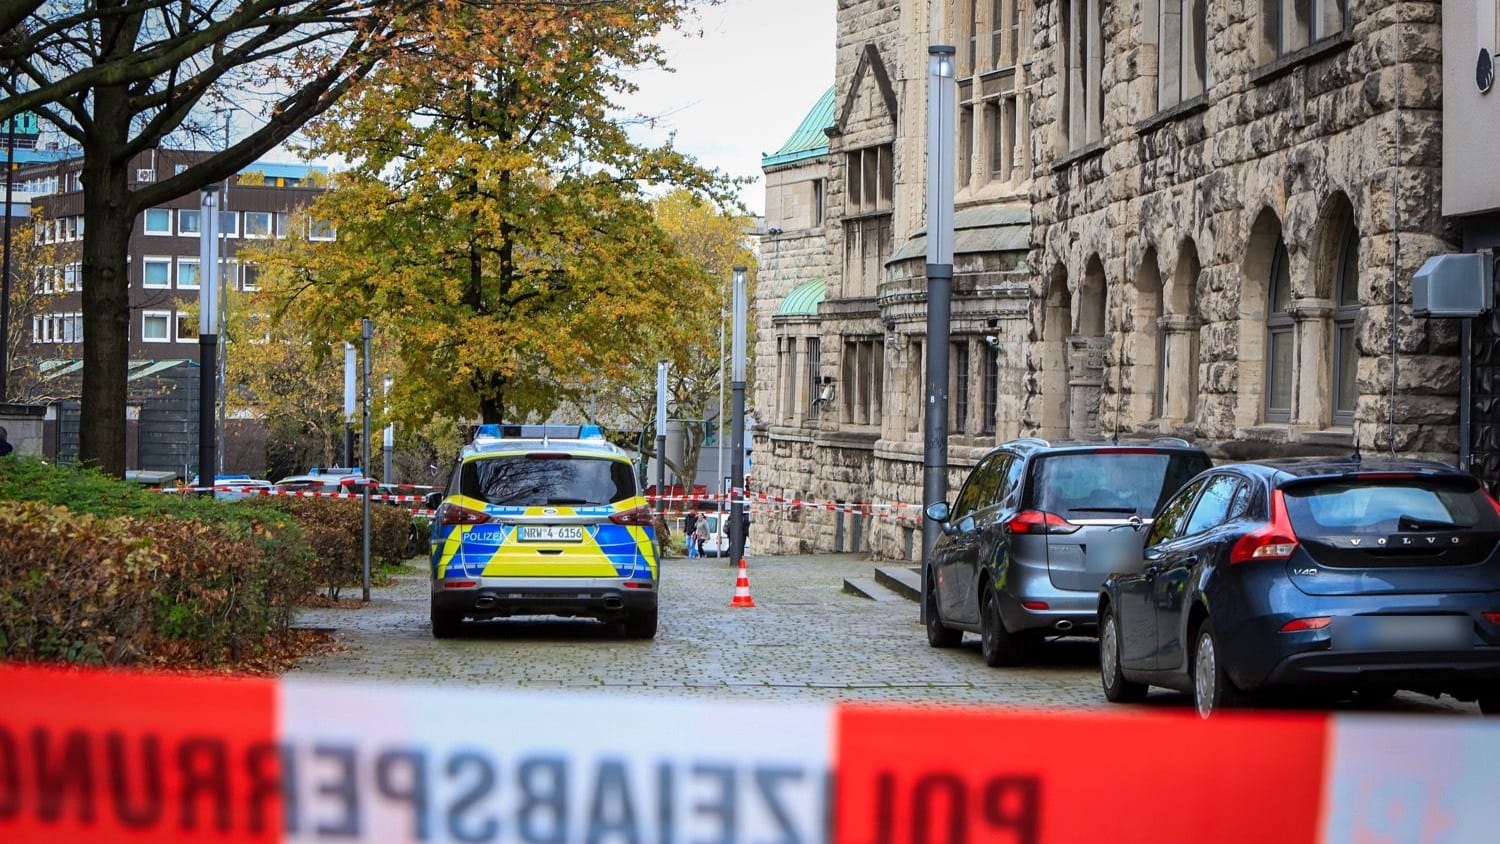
(742, 588)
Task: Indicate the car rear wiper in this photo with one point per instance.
(1406, 523)
(1130, 510)
(569, 501)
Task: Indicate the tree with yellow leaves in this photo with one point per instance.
(495, 221)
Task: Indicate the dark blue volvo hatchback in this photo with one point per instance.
(1364, 577)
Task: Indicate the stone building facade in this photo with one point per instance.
(1174, 217)
(1227, 198)
(840, 383)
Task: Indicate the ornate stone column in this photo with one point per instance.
(1312, 390)
(1179, 368)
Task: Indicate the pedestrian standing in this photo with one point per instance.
(689, 526)
(700, 535)
(5, 446)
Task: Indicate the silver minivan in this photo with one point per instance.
(1034, 532)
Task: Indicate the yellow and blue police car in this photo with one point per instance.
(544, 520)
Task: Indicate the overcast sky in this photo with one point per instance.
(743, 86)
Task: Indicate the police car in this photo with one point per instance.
(544, 520)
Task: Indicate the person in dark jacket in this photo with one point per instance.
(5, 446)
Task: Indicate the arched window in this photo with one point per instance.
(1345, 325)
(1281, 352)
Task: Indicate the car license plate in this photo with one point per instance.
(551, 533)
(1403, 633)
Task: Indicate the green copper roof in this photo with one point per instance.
(804, 299)
(808, 141)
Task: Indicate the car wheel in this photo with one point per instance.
(445, 625)
(1117, 689)
(997, 645)
(938, 635)
(1212, 688)
(641, 624)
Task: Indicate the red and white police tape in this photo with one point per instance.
(118, 757)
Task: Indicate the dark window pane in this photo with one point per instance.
(1279, 397)
(1170, 522)
(1213, 506)
(1348, 364)
(1354, 507)
(530, 481)
(1134, 482)
(1281, 280)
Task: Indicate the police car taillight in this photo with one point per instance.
(452, 514)
(639, 517)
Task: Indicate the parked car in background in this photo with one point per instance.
(234, 487)
(717, 544)
(1353, 577)
(1035, 530)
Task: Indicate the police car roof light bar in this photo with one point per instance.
(545, 433)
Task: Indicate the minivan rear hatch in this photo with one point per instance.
(551, 514)
(1110, 495)
(1384, 533)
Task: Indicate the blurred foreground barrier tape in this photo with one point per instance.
(113, 757)
(103, 757)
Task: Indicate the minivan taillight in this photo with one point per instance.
(639, 517)
(1273, 541)
(452, 514)
(1039, 522)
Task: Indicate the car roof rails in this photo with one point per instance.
(1036, 441)
(1174, 441)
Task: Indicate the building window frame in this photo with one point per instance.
(1281, 329)
(162, 261)
(184, 274)
(162, 318)
(157, 222)
(263, 227)
(991, 380)
(189, 222)
(1345, 392)
(1289, 26)
(814, 363)
(959, 365)
(1182, 51)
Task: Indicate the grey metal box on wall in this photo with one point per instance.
(1453, 286)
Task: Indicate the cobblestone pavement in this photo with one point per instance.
(805, 640)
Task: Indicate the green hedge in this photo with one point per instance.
(98, 570)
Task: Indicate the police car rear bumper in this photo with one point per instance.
(582, 597)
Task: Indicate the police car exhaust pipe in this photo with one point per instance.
(1064, 625)
(484, 603)
(614, 604)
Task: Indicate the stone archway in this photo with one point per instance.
(1052, 392)
(1088, 348)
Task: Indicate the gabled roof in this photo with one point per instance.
(809, 141)
(804, 299)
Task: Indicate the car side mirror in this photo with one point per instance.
(432, 500)
(1154, 554)
(939, 512)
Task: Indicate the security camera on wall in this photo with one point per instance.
(992, 340)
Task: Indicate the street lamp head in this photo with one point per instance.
(941, 60)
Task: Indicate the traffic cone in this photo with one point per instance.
(742, 588)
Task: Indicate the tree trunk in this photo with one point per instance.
(108, 222)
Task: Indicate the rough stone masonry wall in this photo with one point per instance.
(820, 460)
(1290, 142)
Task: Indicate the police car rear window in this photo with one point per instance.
(522, 481)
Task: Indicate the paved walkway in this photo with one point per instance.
(805, 640)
